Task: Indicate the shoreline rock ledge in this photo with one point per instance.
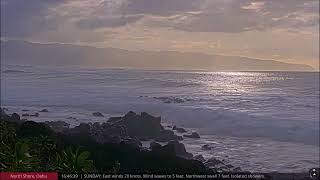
(129, 129)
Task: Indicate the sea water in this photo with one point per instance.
(260, 121)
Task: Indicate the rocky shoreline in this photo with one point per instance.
(130, 130)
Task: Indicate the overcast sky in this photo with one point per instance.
(286, 30)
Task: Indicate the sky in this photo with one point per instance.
(284, 30)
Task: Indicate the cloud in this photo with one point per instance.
(20, 18)
(233, 16)
(23, 18)
(104, 22)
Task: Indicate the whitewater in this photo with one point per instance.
(260, 121)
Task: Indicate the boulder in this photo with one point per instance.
(114, 119)
(212, 162)
(229, 166)
(15, 117)
(58, 126)
(167, 135)
(97, 114)
(142, 126)
(25, 115)
(44, 110)
(199, 158)
(179, 149)
(237, 169)
(206, 147)
(155, 145)
(34, 115)
(82, 128)
(178, 129)
(108, 132)
(4, 115)
(193, 135)
(133, 142)
(173, 148)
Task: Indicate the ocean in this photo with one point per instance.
(259, 121)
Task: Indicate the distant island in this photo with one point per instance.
(23, 52)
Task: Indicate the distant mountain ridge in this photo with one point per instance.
(23, 52)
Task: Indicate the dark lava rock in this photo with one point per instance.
(193, 135)
(25, 115)
(167, 135)
(179, 149)
(199, 158)
(173, 148)
(108, 132)
(169, 100)
(35, 115)
(83, 128)
(237, 169)
(143, 125)
(133, 142)
(15, 117)
(212, 162)
(206, 147)
(4, 115)
(44, 110)
(97, 114)
(178, 129)
(58, 126)
(72, 118)
(155, 145)
(229, 166)
(114, 119)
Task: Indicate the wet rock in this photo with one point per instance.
(5, 109)
(133, 142)
(72, 118)
(169, 100)
(15, 117)
(179, 149)
(178, 129)
(199, 158)
(173, 148)
(34, 115)
(237, 169)
(229, 166)
(114, 119)
(143, 125)
(83, 128)
(193, 135)
(167, 135)
(25, 110)
(4, 116)
(58, 126)
(97, 114)
(108, 132)
(206, 147)
(155, 145)
(25, 115)
(212, 162)
(44, 110)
